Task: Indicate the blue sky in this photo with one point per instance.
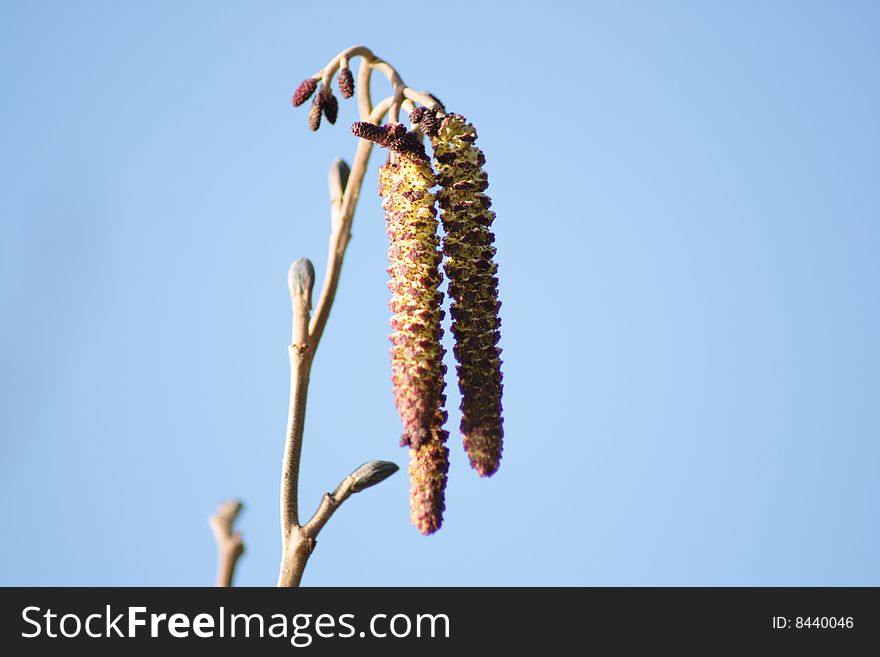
(688, 227)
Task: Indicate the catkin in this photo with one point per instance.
(304, 91)
(346, 82)
(473, 287)
(428, 470)
(414, 259)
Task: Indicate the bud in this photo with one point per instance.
(372, 473)
(473, 286)
(337, 180)
(346, 82)
(304, 91)
(301, 279)
(414, 260)
(428, 472)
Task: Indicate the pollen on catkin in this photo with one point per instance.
(414, 258)
(473, 287)
(428, 471)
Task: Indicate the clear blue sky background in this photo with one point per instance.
(688, 199)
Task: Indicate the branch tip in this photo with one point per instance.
(229, 542)
(338, 179)
(372, 473)
(301, 279)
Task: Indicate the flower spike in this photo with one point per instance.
(473, 286)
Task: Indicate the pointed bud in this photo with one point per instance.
(337, 179)
(304, 91)
(372, 473)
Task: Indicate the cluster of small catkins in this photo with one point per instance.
(324, 101)
(415, 253)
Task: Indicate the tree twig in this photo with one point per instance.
(301, 540)
(300, 280)
(298, 540)
(297, 543)
(229, 544)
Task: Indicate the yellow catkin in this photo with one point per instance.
(413, 264)
(416, 354)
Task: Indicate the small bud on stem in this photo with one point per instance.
(337, 180)
(301, 280)
(372, 473)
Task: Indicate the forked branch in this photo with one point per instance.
(229, 544)
(298, 539)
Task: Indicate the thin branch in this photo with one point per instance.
(297, 540)
(365, 105)
(340, 234)
(302, 539)
(229, 544)
(369, 474)
(300, 280)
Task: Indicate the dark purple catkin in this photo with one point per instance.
(391, 135)
(371, 132)
(473, 287)
(425, 120)
(331, 107)
(346, 82)
(304, 91)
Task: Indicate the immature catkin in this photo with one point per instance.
(304, 91)
(346, 82)
(331, 107)
(366, 130)
(315, 112)
(394, 136)
(428, 469)
(414, 258)
(473, 288)
(426, 120)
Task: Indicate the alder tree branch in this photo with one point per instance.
(297, 539)
(229, 544)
